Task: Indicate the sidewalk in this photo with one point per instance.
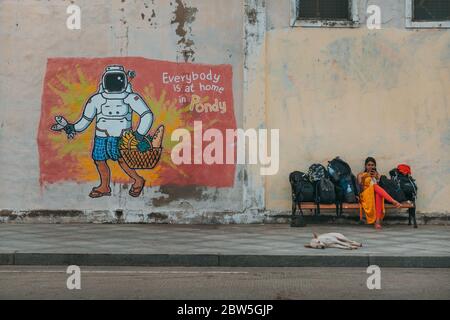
(219, 245)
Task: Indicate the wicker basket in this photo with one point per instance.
(136, 159)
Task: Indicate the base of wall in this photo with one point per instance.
(182, 217)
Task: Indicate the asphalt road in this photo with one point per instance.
(17, 282)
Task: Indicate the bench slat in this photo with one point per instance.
(312, 205)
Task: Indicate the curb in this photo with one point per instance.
(218, 260)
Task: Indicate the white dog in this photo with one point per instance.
(332, 240)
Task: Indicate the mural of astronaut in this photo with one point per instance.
(112, 108)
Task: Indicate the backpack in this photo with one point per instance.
(349, 188)
(406, 183)
(325, 191)
(340, 195)
(392, 188)
(338, 168)
(302, 188)
(346, 186)
(316, 172)
(404, 169)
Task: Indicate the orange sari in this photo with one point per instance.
(367, 200)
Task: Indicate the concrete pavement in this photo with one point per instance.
(219, 245)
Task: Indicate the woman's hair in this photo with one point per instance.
(369, 159)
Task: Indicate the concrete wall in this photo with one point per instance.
(355, 92)
(350, 92)
(33, 31)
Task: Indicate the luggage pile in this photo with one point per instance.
(334, 184)
(401, 186)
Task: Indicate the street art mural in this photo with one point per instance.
(112, 108)
(109, 120)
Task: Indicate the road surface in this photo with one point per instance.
(19, 282)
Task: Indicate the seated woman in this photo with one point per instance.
(372, 195)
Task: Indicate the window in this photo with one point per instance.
(427, 13)
(324, 9)
(435, 10)
(324, 13)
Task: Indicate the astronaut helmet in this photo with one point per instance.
(115, 79)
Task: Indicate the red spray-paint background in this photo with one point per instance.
(68, 84)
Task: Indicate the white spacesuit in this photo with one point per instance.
(113, 105)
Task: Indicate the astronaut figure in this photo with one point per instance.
(112, 107)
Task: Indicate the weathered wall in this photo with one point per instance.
(355, 92)
(330, 91)
(33, 31)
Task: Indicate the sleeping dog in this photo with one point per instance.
(332, 240)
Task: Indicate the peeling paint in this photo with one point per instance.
(184, 17)
(208, 219)
(251, 15)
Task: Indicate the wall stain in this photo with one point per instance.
(119, 216)
(254, 29)
(157, 216)
(251, 15)
(149, 14)
(243, 176)
(6, 213)
(55, 213)
(175, 193)
(184, 17)
(370, 60)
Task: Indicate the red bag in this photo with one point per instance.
(404, 169)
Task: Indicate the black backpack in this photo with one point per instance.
(317, 172)
(340, 196)
(349, 188)
(392, 188)
(406, 183)
(302, 188)
(346, 187)
(325, 191)
(324, 188)
(338, 168)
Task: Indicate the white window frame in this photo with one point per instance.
(324, 23)
(410, 23)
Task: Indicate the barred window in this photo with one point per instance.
(431, 10)
(323, 9)
(325, 13)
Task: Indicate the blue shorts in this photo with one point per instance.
(106, 148)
